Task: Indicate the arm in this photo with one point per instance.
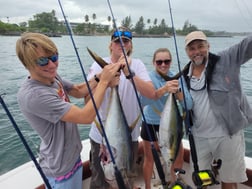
(87, 114)
(172, 87)
(145, 88)
(141, 78)
(81, 90)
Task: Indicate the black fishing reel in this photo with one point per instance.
(179, 183)
(207, 177)
(204, 178)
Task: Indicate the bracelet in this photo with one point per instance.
(131, 75)
(96, 78)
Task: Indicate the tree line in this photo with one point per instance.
(47, 22)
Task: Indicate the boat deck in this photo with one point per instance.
(27, 176)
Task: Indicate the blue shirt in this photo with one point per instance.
(153, 108)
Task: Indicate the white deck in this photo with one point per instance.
(28, 177)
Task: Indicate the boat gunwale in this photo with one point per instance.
(87, 172)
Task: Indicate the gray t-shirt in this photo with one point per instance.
(43, 106)
(205, 124)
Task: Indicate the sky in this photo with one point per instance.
(215, 15)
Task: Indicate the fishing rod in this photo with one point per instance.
(22, 138)
(118, 175)
(201, 178)
(153, 149)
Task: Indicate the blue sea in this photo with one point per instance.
(12, 74)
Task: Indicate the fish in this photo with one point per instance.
(170, 131)
(118, 134)
(177, 76)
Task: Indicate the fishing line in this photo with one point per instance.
(118, 175)
(177, 55)
(246, 20)
(21, 136)
(154, 151)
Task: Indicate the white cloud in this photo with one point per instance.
(228, 15)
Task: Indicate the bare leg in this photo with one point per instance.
(178, 163)
(148, 163)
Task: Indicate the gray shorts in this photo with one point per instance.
(231, 150)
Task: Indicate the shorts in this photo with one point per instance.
(74, 181)
(152, 131)
(230, 150)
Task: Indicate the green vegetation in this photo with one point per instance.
(48, 23)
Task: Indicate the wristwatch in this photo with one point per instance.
(131, 75)
(96, 78)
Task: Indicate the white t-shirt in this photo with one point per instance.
(127, 97)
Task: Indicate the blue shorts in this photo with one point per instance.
(69, 182)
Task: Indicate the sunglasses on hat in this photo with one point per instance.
(126, 34)
(43, 61)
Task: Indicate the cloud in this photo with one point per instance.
(228, 15)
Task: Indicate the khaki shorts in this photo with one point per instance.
(231, 150)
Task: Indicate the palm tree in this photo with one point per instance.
(94, 26)
(109, 20)
(86, 18)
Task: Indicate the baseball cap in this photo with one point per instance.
(195, 35)
(124, 32)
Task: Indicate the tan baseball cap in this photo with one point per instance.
(195, 35)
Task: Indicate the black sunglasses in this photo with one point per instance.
(123, 40)
(199, 89)
(160, 62)
(43, 61)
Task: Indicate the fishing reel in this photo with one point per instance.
(179, 183)
(204, 178)
(207, 177)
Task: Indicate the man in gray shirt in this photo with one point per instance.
(220, 108)
(43, 100)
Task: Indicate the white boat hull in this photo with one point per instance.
(27, 176)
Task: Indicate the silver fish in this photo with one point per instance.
(170, 130)
(118, 134)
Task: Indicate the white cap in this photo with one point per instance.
(195, 35)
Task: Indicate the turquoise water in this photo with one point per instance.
(12, 73)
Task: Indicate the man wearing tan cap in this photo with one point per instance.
(221, 110)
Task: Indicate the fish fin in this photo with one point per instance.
(97, 58)
(133, 125)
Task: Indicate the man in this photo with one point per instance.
(127, 94)
(221, 110)
(43, 99)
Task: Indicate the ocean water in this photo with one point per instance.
(12, 74)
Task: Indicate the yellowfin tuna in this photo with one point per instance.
(170, 130)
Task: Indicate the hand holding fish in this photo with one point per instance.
(124, 64)
(114, 82)
(172, 86)
(109, 73)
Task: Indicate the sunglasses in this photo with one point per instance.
(43, 61)
(127, 34)
(123, 40)
(160, 62)
(199, 88)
